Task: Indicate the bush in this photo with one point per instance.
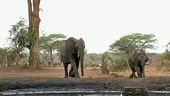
(165, 61)
(119, 63)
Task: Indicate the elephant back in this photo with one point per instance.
(135, 55)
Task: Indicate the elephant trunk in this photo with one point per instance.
(82, 64)
(143, 69)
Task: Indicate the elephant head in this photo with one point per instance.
(71, 45)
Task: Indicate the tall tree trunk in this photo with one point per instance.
(51, 57)
(30, 15)
(104, 65)
(34, 21)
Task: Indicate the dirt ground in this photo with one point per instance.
(20, 78)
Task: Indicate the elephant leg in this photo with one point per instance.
(66, 71)
(143, 71)
(138, 71)
(73, 64)
(134, 75)
(131, 75)
(140, 74)
(71, 72)
(77, 62)
(133, 72)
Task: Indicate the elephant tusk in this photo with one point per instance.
(78, 55)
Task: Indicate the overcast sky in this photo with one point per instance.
(98, 22)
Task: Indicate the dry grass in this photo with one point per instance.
(58, 72)
(93, 78)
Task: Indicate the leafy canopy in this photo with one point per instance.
(20, 37)
(94, 56)
(128, 43)
(51, 42)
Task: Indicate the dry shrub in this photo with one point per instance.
(165, 62)
(119, 63)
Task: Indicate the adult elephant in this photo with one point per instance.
(137, 61)
(72, 51)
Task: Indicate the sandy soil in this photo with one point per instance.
(19, 78)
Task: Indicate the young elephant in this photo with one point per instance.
(137, 61)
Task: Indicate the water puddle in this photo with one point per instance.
(64, 93)
(72, 92)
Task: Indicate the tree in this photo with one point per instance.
(3, 57)
(165, 58)
(165, 61)
(128, 43)
(19, 34)
(167, 47)
(104, 63)
(51, 43)
(34, 21)
(19, 39)
(94, 57)
(8, 57)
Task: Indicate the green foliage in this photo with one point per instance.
(11, 57)
(167, 47)
(7, 57)
(165, 61)
(125, 46)
(3, 58)
(128, 43)
(20, 37)
(49, 44)
(51, 41)
(108, 56)
(119, 63)
(93, 56)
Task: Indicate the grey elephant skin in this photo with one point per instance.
(72, 52)
(137, 61)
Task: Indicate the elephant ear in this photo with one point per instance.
(81, 44)
(70, 45)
